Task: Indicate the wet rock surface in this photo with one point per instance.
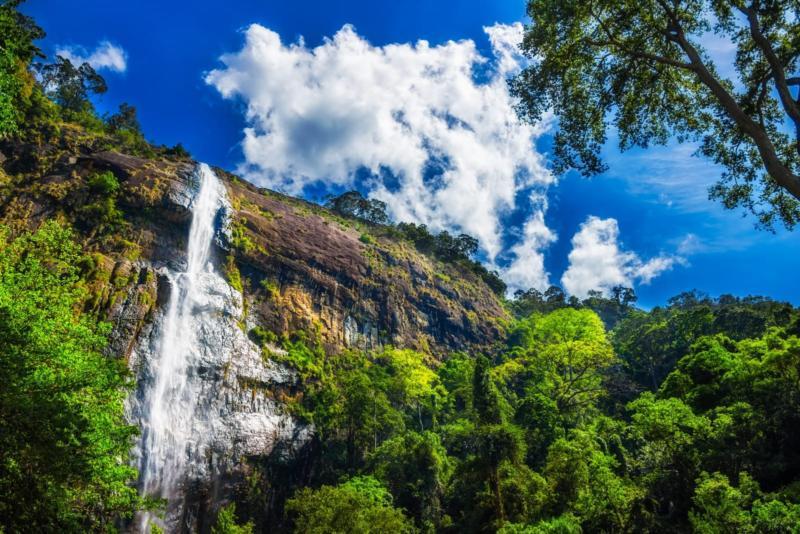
(235, 412)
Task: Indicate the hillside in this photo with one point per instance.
(298, 276)
(303, 267)
(182, 351)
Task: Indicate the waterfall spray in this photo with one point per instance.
(168, 418)
(173, 400)
(197, 420)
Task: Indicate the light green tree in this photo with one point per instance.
(226, 522)
(359, 506)
(64, 443)
(412, 383)
(565, 353)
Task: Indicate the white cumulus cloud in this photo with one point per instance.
(528, 270)
(597, 261)
(106, 56)
(434, 124)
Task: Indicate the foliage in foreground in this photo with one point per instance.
(683, 418)
(640, 67)
(64, 443)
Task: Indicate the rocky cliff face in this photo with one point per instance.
(303, 268)
(311, 270)
(291, 266)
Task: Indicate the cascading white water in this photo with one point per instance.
(170, 413)
(204, 396)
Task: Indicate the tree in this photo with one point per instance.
(641, 67)
(367, 415)
(666, 434)
(565, 524)
(411, 383)
(359, 506)
(416, 469)
(17, 34)
(124, 119)
(722, 508)
(353, 204)
(485, 398)
(583, 480)
(487, 480)
(565, 352)
(69, 85)
(64, 443)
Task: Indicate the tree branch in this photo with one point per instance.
(612, 41)
(643, 55)
(782, 174)
(789, 105)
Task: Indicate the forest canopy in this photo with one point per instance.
(681, 418)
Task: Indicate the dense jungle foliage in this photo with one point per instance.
(681, 418)
(592, 416)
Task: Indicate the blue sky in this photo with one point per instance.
(664, 229)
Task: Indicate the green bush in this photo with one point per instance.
(226, 522)
(360, 506)
(100, 213)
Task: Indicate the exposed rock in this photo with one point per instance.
(237, 413)
(319, 273)
(303, 269)
(306, 269)
(205, 396)
(129, 313)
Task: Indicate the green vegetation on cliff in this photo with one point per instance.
(63, 440)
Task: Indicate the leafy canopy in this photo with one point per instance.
(640, 67)
(361, 506)
(63, 439)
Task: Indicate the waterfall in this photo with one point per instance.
(203, 398)
(170, 411)
(173, 400)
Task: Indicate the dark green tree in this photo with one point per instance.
(70, 85)
(485, 397)
(124, 119)
(640, 66)
(416, 469)
(353, 204)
